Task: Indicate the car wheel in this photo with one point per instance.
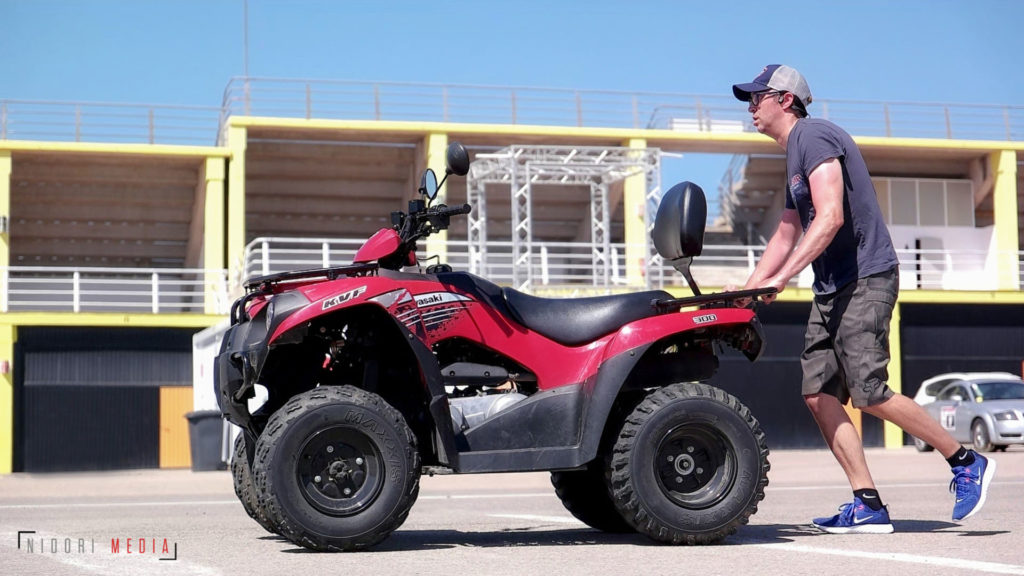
(584, 493)
(337, 469)
(921, 445)
(241, 476)
(979, 434)
(689, 465)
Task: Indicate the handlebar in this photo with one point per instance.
(452, 211)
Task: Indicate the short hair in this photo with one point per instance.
(798, 106)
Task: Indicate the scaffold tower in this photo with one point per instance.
(521, 167)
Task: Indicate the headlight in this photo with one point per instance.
(1003, 416)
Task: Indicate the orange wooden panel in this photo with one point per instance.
(855, 417)
(175, 402)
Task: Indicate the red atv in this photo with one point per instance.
(379, 370)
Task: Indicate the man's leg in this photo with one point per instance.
(913, 419)
(842, 438)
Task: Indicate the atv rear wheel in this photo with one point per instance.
(689, 466)
(584, 493)
(242, 477)
(337, 469)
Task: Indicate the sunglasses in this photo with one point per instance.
(757, 97)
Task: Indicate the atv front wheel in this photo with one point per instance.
(689, 466)
(584, 493)
(242, 477)
(337, 469)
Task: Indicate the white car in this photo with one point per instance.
(931, 387)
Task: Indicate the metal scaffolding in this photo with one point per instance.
(521, 167)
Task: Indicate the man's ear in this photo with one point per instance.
(786, 100)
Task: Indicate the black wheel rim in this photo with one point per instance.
(340, 471)
(695, 465)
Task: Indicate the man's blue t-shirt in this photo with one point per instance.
(862, 246)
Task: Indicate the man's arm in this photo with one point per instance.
(778, 249)
(827, 190)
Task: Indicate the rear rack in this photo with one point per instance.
(263, 283)
(677, 303)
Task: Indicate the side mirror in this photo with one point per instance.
(956, 398)
(428, 184)
(457, 159)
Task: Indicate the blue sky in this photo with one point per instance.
(183, 52)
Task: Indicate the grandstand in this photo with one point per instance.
(125, 229)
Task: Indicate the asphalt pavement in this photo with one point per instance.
(174, 522)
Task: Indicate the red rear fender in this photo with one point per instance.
(656, 328)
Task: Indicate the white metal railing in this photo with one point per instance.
(144, 290)
(463, 103)
(108, 122)
(562, 264)
(307, 98)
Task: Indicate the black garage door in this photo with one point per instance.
(88, 398)
(770, 387)
(941, 338)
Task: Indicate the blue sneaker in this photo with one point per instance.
(970, 483)
(856, 518)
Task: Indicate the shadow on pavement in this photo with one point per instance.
(919, 526)
(419, 540)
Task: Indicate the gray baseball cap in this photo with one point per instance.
(775, 77)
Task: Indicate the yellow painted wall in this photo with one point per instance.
(237, 140)
(436, 145)
(214, 239)
(892, 433)
(8, 336)
(175, 402)
(635, 231)
(1004, 193)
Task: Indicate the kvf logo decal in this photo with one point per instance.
(704, 319)
(342, 298)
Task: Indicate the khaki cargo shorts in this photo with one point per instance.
(846, 348)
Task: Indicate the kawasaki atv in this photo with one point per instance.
(380, 370)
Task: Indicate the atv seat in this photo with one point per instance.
(576, 321)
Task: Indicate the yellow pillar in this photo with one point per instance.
(8, 336)
(633, 205)
(237, 141)
(215, 298)
(436, 145)
(892, 433)
(1004, 199)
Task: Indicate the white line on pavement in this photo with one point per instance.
(881, 486)
(958, 563)
(486, 496)
(117, 504)
(535, 517)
